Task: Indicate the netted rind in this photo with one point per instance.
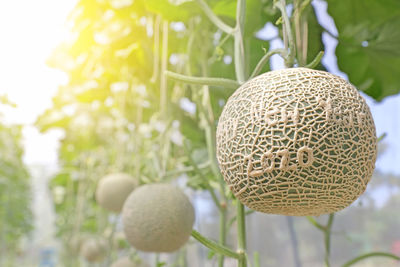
(296, 142)
(157, 218)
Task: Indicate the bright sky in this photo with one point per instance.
(29, 31)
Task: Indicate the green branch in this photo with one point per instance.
(214, 246)
(231, 221)
(265, 58)
(381, 137)
(281, 5)
(241, 232)
(368, 255)
(315, 223)
(315, 61)
(327, 230)
(327, 238)
(222, 82)
(238, 41)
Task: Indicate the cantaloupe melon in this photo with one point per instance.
(113, 189)
(93, 249)
(127, 262)
(296, 142)
(157, 218)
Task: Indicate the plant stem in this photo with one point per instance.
(231, 221)
(315, 61)
(238, 42)
(215, 246)
(240, 76)
(327, 239)
(222, 232)
(381, 137)
(226, 83)
(256, 257)
(315, 223)
(265, 58)
(111, 240)
(214, 19)
(327, 231)
(281, 5)
(156, 58)
(164, 63)
(241, 233)
(368, 255)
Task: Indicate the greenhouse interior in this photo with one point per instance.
(200, 133)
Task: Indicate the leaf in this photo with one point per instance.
(315, 30)
(225, 8)
(255, 16)
(173, 10)
(255, 51)
(369, 44)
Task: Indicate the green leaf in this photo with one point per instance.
(315, 44)
(173, 10)
(226, 8)
(369, 44)
(255, 51)
(255, 16)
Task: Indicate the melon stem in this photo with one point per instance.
(241, 233)
(222, 233)
(327, 239)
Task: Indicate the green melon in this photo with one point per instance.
(127, 262)
(93, 249)
(157, 218)
(74, 244)
(296, 142)
(113, 189)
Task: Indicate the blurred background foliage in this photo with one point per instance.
(120, 113)
(15, 195)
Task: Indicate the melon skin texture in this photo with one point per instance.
(127, 262)
(93, 250)
(113, 189)
(157, 218)
(296, 142)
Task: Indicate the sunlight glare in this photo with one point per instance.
(29, 31)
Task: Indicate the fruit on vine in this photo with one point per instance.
(157, 218)
(74, 244)
(127, 262)
(113, 189)
(296, 142)
(93, 249)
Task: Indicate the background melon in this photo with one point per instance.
(113, 190)
(93, 249)
(157, 218)
(127, 262)
(74, 243)
(296, 142)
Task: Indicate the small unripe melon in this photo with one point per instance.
(113, 189)
(93, 250)
(296, 142)
(127, 262)
(157, 218)
(74, 244)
